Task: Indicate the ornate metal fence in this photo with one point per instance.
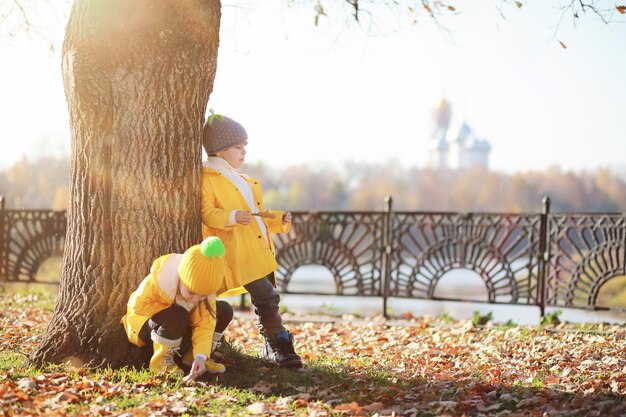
(27, 238)
(542, 259)
(503, 249)
(349, 244)
(585, 251)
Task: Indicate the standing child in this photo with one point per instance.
(174, 310)
(232, 209)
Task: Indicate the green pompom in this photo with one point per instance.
(212, 247)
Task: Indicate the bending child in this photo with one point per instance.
(174, 310)
(232, 209)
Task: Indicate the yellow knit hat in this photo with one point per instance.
(202, 267)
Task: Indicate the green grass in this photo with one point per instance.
(127, 389)
(11, 360)
(551, 318)
(334, 374)
(43, 295)
(446, 318)
(481, 319)
(509, 324)
(329, 310)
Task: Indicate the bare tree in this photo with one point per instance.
(364, 12)
(38, 17)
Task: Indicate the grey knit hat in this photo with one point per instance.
(221, 132)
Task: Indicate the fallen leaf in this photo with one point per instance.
(551, 380)
(26, 384)
(525, 402)
(283, 402)
(258, 408)
(351, 408)
(68, 397)
(263, 388)
(375, 406)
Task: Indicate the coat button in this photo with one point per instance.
(259, 236)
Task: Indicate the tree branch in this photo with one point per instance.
(581, 6)
(30, 16)
(592, 7)
(355, 6)
(23, 13)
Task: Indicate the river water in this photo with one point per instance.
(455, 284)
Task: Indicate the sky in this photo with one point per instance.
(340, 92)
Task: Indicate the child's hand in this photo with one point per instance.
(197, 368)
(243, 217)
(286, 217)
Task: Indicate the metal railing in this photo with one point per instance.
(539, 259)
(27, 239)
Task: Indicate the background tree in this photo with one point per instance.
(42, 184)
(137, 77)
(365, 12)
(36, 18)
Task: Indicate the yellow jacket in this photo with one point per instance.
(249, 256)
(156, 293)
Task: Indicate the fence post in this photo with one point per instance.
(624, 242)
(544, 253)
(387, 255)
(3, 241)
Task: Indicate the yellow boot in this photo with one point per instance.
(163, 358)
(214, 367)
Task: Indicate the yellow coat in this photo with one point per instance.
(156, 293)
(249, 256)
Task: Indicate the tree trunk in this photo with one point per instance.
(137, 76)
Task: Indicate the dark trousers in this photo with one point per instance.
(173, 323)
(265, 299)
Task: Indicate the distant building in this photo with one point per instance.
(455, 148)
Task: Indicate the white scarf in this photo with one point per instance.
(227, 170)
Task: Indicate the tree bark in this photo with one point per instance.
(137, 77)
